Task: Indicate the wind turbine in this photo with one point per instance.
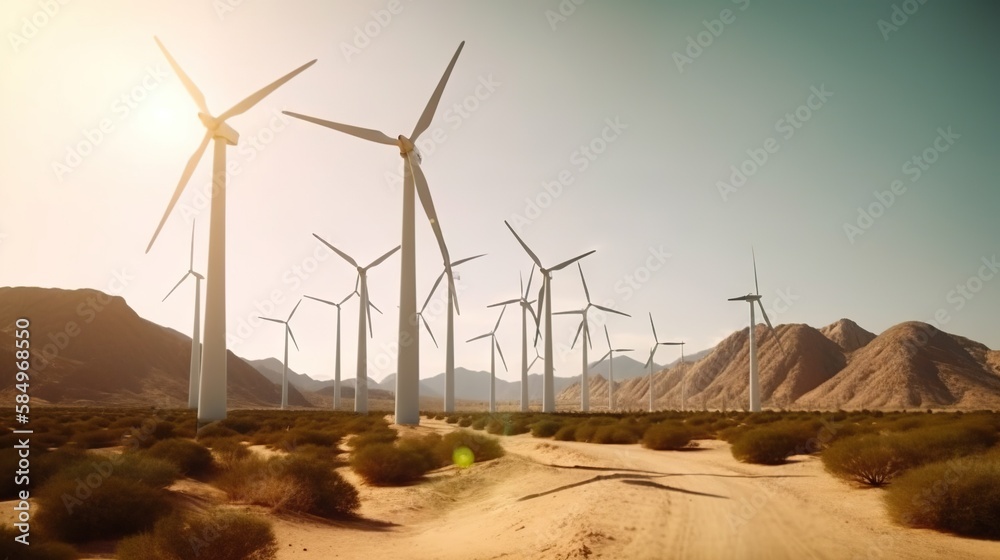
(494, 349)
(284, 367)
(610, 356)
(336, 375)
(585, 329)
(525, 309)
(364, 317)
(652, 352)
(195, 377)
(212, 394)
(683, 381)
(751, 299)
(545, 301)
(449, 357)
(408, 365)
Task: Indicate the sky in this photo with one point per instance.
(852, 145)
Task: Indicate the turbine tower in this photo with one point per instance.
(610, 356)
(545, 302)
(195, 378)
(652, 352)
(751, 299)
(494, 349)
(683, 381)
(284, 367)
(408, 365)
(364, 318)
(449, 357)
(585, 329)
(212, 394)
(336, 375)
(525, 309)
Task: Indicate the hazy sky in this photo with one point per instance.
(643, 109)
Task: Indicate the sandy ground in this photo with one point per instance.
(568, 500)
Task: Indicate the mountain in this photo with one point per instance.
(271, 369)
(914, 365)
(90, 348)
(847, 334)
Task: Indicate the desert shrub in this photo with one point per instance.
(764, 446)
(961, 496)
(464, 422)
(73, 511)
(228, 450)
(427, 448)
(294, 483)
(566, 433)
(666, 436)
(483, 447)
(216, 430)
(328, 494)
(189, 457)
(238, 424)
(615, 434)
(327, 454)
(869, 459)
(9, 548)
(480, 423)
(47, 464)
(373, 437)
(296, 437)
(439, 417)
(545, 428)
(385, 464)
(159, 431)
(495, 427)
(99, 438)
(218, 534)
(149, 471)
(451, 419)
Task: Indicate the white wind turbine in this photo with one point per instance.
(212, 394)
(545, 302)
(408, 365)
(751, 299)
(494, 350)
(525, 309)
(683, 381)
(652, 352)
(195, 377)
(585, 329)
(336, 375)
(449, 359)
(610, 356)
(284, 367)
(364, 318)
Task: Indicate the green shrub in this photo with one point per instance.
(76, 511)
(218, 534)
(615, 434)
(764, 446)
(385, 464)
(464, 422)
(189, 457)
(666, 436)
(960, 496)
(869, 459)
(545, 428)
(9, 548)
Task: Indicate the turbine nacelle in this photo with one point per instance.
(406, 146)
(219, 129)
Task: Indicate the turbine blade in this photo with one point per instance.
(499, 351)
(655, 338)
(571, 261)
(756, 286)
(424, 193)
(607, 336)
(528, 288)
(524, 245)
(532, 311)
(272, 320)
(451, 288)
(541, 309)
(768, 321)
(256, 97)
(590, 341)
(342, 254)
(291, 334)
(480, 337)
(465, 260)
(381, 259)
(368, 310)
(185, 177)
(191, 260)
(177, 285)
(578, 331)
(192, 89)
(624, 350)
(532, 364)
(325, 301)
(428, 327)
(357, 131)
(433, 289)
(497, 325)
(431, 108)
(294, 309)
(650, 360)
(349, 296)
(373, 306)
(609, 310)
(604, 357)
(586, 292)
(508, 302)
